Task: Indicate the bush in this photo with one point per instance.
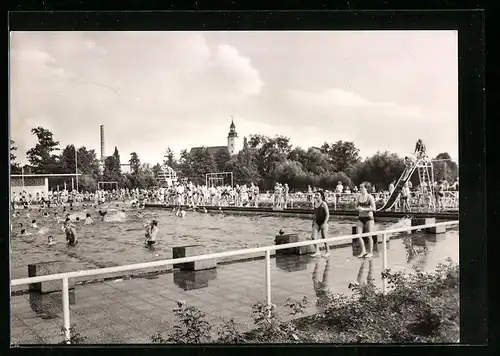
(419, 307)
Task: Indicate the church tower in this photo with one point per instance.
(232, 139)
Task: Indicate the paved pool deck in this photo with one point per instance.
(132, 310)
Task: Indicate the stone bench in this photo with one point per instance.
(190, 280)
(292, 263)
(291, 238)
(46, 268)
(190, 251)
(428, 221)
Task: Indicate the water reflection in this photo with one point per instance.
(417, 251)
(321, 284)
(190, 280)
(293, 263)
(369, 277)
(48, 306)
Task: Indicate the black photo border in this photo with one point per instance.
(472, 133)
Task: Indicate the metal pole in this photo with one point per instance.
(76, 167)
(268, 277)
(72, 184)
(65, 300)
(22, 175)
(384, 262)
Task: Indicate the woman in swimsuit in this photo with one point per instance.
(320, 220)
(365, 204)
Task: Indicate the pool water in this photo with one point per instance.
(120, 240)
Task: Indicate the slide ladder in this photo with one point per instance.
(426, 177)
(405, 177)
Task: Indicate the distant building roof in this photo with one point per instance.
(212, 150)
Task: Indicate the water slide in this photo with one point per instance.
(405, 177)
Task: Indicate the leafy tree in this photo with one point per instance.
(185, 164)
(112, 170)
(68, 159)
(135, 163)
(380, 169)
(316, 162)
(14, 166)
(116, 156)
(343, 155)
(446, 169)
(244, 167)
(289, 172)
(201, 163)
(87, 183)
(170, 158)
(156, 169)
(221, 158)
(271, 153)
(88, 162)
(41, 156)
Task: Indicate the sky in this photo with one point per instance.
(380, 89)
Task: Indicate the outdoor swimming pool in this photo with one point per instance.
(121, 240)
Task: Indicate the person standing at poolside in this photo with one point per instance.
(320, 220)
(365, 204)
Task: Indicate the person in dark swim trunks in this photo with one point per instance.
(365, 204)
(320, 220)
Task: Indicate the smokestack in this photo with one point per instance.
(102, 142)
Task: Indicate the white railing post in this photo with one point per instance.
(65, 302)
(268, 277)
(384, 262)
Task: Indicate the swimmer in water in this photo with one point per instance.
(151, 232)
(205, 210)
(103, 214)
(70, 231)
(182, 214)
(51, 241)
(34, 225)
(88, 219)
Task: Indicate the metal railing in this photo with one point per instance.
(266, 250)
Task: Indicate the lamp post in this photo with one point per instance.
(76, 167)
(22, 175)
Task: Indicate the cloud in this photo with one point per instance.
(343, 101)
(141, 85)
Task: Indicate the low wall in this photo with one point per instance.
(307, 213)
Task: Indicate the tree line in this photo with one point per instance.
(263, 160)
